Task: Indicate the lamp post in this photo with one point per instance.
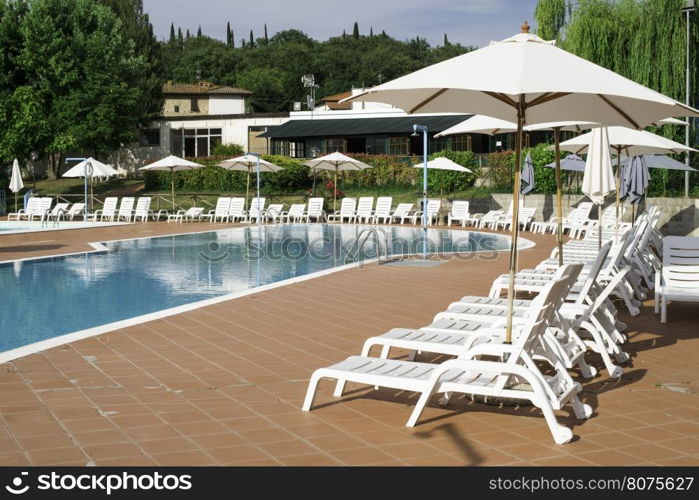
(259, 212)
(423, 129)
(688, 7)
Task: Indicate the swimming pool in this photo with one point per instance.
(46, 298)
(11, 227)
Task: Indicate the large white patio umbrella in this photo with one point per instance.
(173, 164)
(443, 163)
(16, 183)
(336, 162)
(527, 80)
(247, 163)
(598, 179)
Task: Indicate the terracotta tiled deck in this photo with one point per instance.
(223, 384)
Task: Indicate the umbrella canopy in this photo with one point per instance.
(661, 161)
(336, 162)
(634, 180)
(526, 79)
(172, 163)
(527, 183)
(571, 162)
(82, 169)
(443, 163)
(670, 121)
(16, 180)
(481, 124)
(629, 141)
(248, 163)
(598, 180)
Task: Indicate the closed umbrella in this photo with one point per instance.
(247, 163)
(527, 80)
(635, 179)
(173, 164)
(527, 181)
(598, 179)
(336, 162)
(16, 183)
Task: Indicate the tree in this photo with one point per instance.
(266, 38)
(172, 33)
(344, 34)
(355, 30)
(90, 97)
(229, 34)
(550, 17)
(371, 31)
(187, 36)
(180, 38)
(252, 40)
(199, 31)
(446, 40)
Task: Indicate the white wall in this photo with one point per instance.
(226, 105)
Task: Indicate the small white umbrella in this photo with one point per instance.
(443, 163)
(246, 163)
(172, 163)
(82, 169)
(598, 179)
(89, 168)
(336, 162)
(16, 183)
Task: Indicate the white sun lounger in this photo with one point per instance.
(516, 378)
(348, 210)
(679, 278)
(220, 212)
(75, 210)
(190, 215)
(432, 212)
(383, 210)
(459, 212)
(402, 213)
(315, 210)
(143, 212)
(365, 209)
(295, 213)
(274, 212)
(108, 210)
(125, 209)
(236, 210)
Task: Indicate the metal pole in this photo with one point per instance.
(259, 211)
(686, 100)
(559, 195)
(424, 193)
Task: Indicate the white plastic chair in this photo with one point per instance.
(220, 211)
(348, 210)
(679, 278)
(365, 209)
(459, 212)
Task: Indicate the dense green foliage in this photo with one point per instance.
(550, 17)
(71, 76)
(272, 67)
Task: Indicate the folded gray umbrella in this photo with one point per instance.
(634, 180)
(527, 183)
(662, 161)
(571, 162)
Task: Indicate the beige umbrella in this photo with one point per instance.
(527, 80)
(173, 164)
(248, 163)
(336, 162)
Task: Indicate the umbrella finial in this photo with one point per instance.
(525, 27)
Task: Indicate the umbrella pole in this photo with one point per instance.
(15, 201)
(521, 110)
(559, 196)
(247, 188)
(172, 185)
(335, 191)
(599, 226)
(618, 195)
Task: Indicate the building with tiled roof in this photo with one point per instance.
(203, 98)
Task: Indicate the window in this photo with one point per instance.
(194, 104)
(335, 146)
(461, 142)
(296, 149)
(195, 142)
(398, 146)
(149, 137)
(177, 109)
(376, 145)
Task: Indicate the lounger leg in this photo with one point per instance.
(656, 302)
(419, 407)
(663, 309)
(560, 433)
(586, 370)
(311, 392)
(582, 411)
(339, 388)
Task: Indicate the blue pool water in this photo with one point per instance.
(42, 299)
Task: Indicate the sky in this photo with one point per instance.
(469, 22)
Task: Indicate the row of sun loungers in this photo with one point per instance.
(570, 313)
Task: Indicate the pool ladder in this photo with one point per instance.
(45, 220)
(380, 239)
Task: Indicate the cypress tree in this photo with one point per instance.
(371, 31)
(187, 36)
(172, 33)
(228, 33)
(355, 30)
(199, 31)
(252, 40)
(266, 38)
(179, 36)
(446, 40)
(344, 34)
